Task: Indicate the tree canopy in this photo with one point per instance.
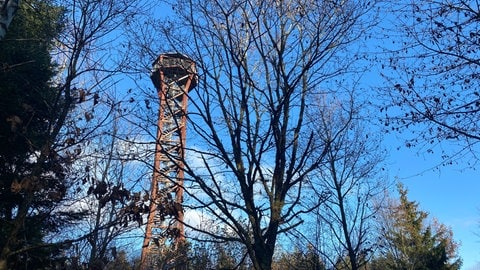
(433, 72)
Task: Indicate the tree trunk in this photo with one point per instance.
(263, 258)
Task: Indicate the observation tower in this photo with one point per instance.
(173, 75)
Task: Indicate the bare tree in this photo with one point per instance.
(433, 75)
(350, 177)
(109, 197)
(249, 155)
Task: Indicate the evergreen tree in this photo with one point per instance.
(29, 185)
(412, 243)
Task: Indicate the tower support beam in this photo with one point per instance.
(173, 75)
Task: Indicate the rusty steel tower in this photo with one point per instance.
(173, 75)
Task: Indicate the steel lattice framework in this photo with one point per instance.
(173, 75)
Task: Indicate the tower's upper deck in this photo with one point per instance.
(173, 65)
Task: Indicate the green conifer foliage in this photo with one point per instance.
(413, 243)
(28, 107)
